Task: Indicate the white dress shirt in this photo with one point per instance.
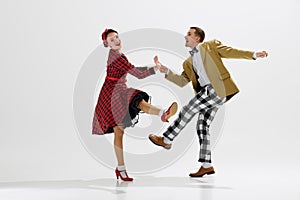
(199, 68)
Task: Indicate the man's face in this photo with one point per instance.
(191, 40)
(114, 41)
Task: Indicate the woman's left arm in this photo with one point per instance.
(141, 72)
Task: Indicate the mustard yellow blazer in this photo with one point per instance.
(211, 53)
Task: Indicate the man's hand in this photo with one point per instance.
(261, 54)
(163, 69)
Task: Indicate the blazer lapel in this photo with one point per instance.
(202, 53)
(189, 60)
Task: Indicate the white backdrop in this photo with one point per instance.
(44, 44)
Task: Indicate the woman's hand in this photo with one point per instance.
(156, 61)
(162, 68)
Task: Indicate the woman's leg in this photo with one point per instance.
(118, 144)
(148, 108)
(152, 110)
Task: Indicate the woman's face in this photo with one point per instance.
(113, 41)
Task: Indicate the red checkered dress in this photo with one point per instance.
(116, 100)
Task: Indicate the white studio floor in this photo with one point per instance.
(246, 183)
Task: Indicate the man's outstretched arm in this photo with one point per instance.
(180, 80)
(229, 52)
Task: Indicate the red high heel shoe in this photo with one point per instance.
(169, 112)
(126, 178)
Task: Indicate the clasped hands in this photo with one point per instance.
(159, 66)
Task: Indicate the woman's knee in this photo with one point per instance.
(119, 131)
(140, 104)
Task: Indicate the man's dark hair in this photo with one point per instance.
(199, 32)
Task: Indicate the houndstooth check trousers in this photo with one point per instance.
(206, 103)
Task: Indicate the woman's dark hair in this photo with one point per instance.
(199, 32)
(104, 35)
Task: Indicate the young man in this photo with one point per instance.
(213, 86)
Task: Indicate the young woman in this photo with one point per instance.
(119, 105)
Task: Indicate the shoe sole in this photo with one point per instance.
(208, 173)
(173, 110)
(166, 147)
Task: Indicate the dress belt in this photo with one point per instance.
(116, 79)
(112, 78)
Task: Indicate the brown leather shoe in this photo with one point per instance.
(159, 141)
(202, 171)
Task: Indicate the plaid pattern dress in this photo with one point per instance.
(116, 102)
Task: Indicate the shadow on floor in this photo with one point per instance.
(119, 187)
